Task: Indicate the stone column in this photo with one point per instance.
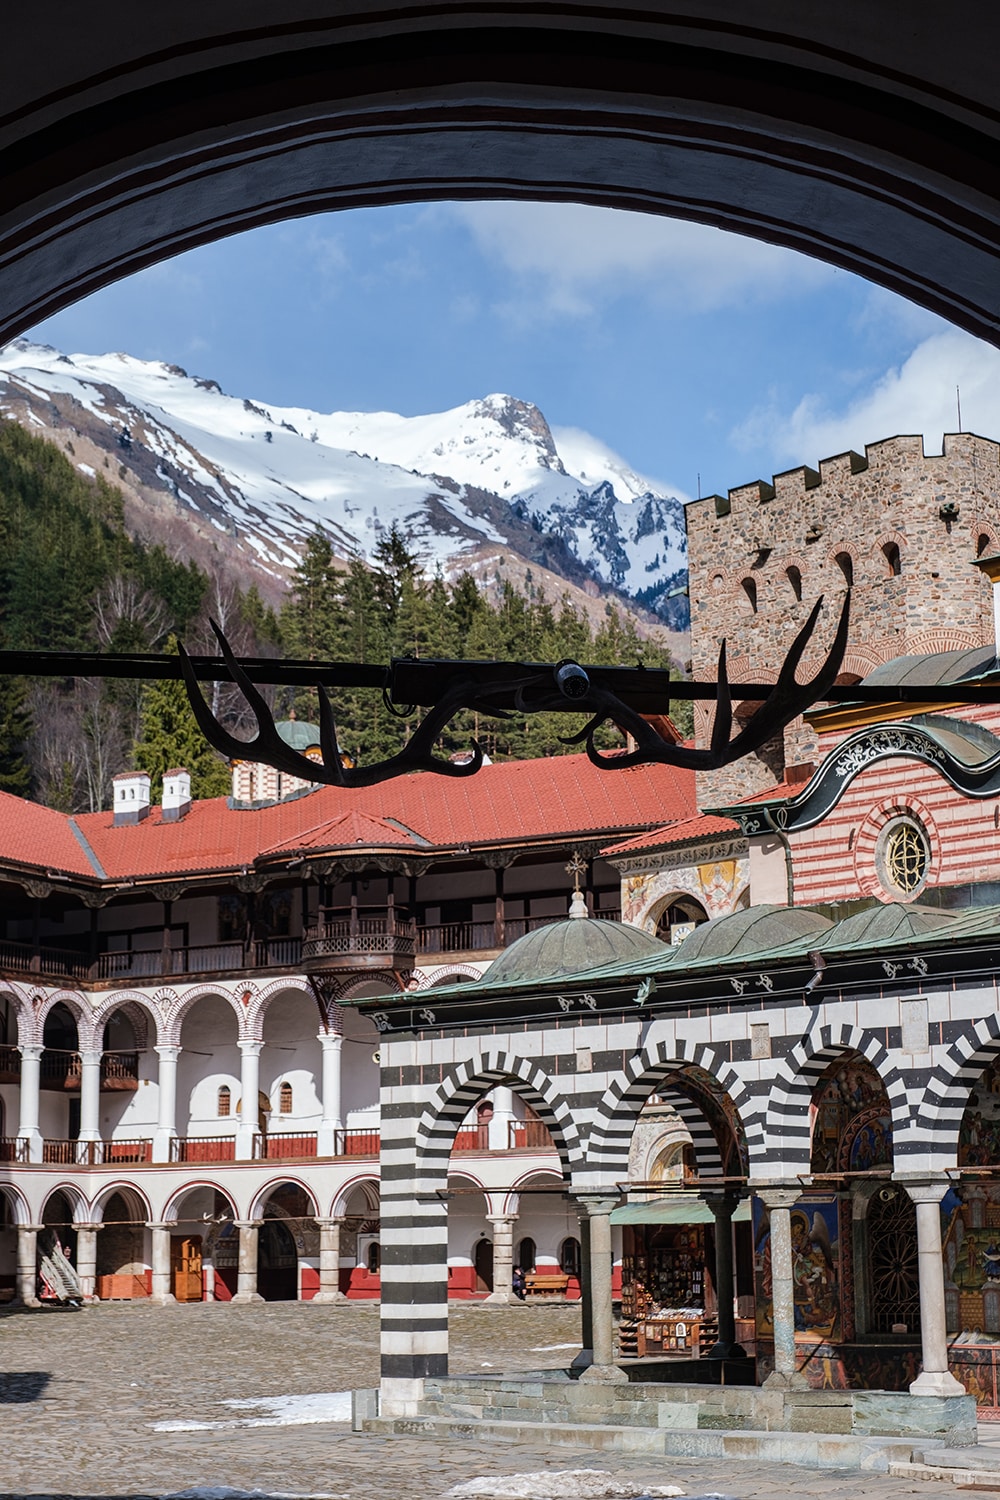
(27, 1270)
(166, 1117)
(163, 1294)
(780, 1201)
(723, 1206)
(603, 1370)
(329, 1261)
(27, 1130)
(332, 1122)
(208, 1280)
(935, 1379)
(247, 1126)
(86, 1260)
(503, 1259)
(246, 1285)
(503, 1115)
(90, 1096)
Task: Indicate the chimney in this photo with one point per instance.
(176, 794)
(131, 802)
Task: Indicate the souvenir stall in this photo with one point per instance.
(970, 1232)
(669, 1302)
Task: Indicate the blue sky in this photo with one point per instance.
(687, 350)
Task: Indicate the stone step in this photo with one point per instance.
(814, 1450)
(979, 1457)
(961, 1478)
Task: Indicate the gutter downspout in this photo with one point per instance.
(782, 836)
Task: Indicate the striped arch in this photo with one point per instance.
(789, 1134)
(174, 1019)
(466, 1083)
(937, 1114)
(369, 1188)
(140, 1008)
(136, 1200)
(20, 1211)
(615, 1121)
(253, 1016)
(43, 1001)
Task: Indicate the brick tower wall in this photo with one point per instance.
(940, 511)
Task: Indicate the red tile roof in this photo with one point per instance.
(508, 802)
(706, 826)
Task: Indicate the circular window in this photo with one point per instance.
(903, 856)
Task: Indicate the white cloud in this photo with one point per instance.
(577, 254)
(917, 396)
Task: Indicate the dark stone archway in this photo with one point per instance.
(860, 136)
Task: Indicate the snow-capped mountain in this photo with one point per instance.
(488, 474)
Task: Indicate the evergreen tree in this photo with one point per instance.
(171, 737)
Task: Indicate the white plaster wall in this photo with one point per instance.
(209, 1058)
(53, 1115)
(359, 1073)
(292, 1054)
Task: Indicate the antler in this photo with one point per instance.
(268, 746)
(566, 686)
(786, 700)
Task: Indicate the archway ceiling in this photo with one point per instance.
(865, 133)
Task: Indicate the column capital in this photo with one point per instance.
(30, 1050)
(330, 1040)
(923, 1187)
(159, 1224)
(722, 1202)
(167, 1052)
(331, 1221)
(598, 1205)
(248, 1223)
(778, 1195)
(31, 1228)
(91, 1055)
(502, 1218)
(251, 1047)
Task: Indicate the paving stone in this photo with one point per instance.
(81, 1390)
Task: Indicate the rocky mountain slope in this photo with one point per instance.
(487, 487)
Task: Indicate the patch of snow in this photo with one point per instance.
(281, 1411)
(558, 1484)
(86, 469)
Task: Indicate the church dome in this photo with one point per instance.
(298, 735)
(572, 946)
(752, 931)
(893, 921)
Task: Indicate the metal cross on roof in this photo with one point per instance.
(577, 867)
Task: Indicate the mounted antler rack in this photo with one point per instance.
(619, 695)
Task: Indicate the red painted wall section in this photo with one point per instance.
(308, 1283)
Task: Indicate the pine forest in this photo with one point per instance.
(73, 579)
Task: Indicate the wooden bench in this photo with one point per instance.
(545, 1284)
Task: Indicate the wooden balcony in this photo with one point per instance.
(353, 940)
(94, 1153)
(10, 1065)
(62, 1071)
(529, 1135)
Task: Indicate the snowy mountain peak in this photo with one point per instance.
(490, 473)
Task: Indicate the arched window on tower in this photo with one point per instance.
(285, 1099)
(983, 544)
(749, 587)
(225, 1105)
(794, 576)
(890, 552)
(845, 563)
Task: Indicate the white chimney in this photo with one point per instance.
(176, 794)
(131, 803)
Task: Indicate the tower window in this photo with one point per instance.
(285, 1099)
(794, 577)
(749, 587)
(845, 563)
(891, 554)
(225, 1102)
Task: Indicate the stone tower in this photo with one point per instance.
(900, 527)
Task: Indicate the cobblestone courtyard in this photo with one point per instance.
(80, 1392)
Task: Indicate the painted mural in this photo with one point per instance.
(815, 1269)
(852, 1124)
(979, 1137)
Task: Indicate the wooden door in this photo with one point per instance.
(484, 1265)
(185, 1267)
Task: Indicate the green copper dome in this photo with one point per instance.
(297, 734)
(756, 930)
(893, 921)
(572, 947)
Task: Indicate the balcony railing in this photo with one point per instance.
(206, 1149)
(13, 1150)
(285, 1147)
(93, 1153)
(203, 1148)
(62, 1069)
(529, 1135)
(10, 1065)
(473, 1138)
(352, 941)
(382, 940)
